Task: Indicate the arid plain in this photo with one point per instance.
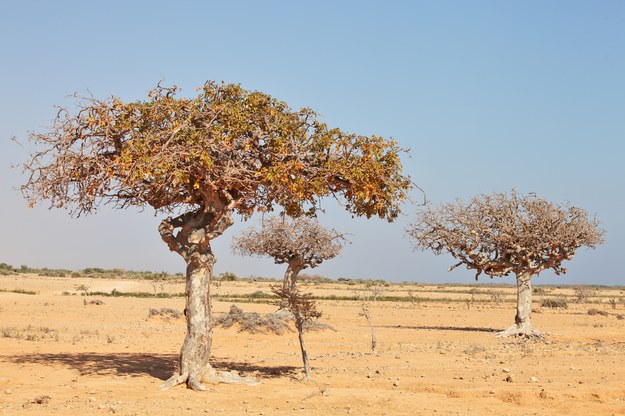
(64, 352)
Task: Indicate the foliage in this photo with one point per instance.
(302, 239)
(183, 153)
(498, 234)
(300, 304)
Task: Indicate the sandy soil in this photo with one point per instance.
(62, 356)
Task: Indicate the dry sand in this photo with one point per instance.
(60, 356)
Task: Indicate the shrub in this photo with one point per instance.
(166, 313)
(254, 322)
(560, 302)
(228, 277)
(595, 311)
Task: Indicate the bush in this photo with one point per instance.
(560, 302)
(166, 313)
(595, 311)
(253, 322)
(228, 277)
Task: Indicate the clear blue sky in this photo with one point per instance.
(488, 95)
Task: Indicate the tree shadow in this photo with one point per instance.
(160, 366)
(443, 328)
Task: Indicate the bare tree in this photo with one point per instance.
(500, 234)
(368, 297)
(200, 160)
(300, 243)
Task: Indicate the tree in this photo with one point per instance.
(300, 243)
(500, 234)
(200, 160)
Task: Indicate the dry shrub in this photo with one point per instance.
(595, 311)
(254, 322)
(554, 303)
(165, 313)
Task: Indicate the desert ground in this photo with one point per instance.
(64, 351)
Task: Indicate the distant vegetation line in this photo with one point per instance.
(117, 273)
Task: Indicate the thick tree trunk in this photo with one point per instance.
(192, 242)
(522, 322)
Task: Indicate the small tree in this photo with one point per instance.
(300, 243)
(200, 160)
(501, 234)
(368, 297)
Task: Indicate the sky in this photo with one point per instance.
(487, 95)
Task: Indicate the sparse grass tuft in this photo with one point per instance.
(30, 333)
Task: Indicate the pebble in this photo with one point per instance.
(534, 379)
(506, 370)
(8, 391)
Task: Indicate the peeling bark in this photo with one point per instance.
(522, 321)
(192, 242)
(290, 276)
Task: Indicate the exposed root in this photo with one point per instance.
(228, 377)
(520, 331)
(173, 381)
(194, 382)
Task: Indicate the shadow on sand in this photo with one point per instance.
(443, 328)
(160, 366)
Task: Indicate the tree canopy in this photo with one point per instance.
(246, 149)
(301, 239)
(499, 233)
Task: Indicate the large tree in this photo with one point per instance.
(300, 243)
(500, 234)
(200, 160)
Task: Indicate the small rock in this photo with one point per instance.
(396, 384)
(506, 370)
(101, 406)
(92, 399)
(492, 392)
(8, 391)
(534, 379)
(508, 379)
(42, 399)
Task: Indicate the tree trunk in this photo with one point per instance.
(192, 242)
(522, 322)
(290, 276)
(374, 339)
(302, 345)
